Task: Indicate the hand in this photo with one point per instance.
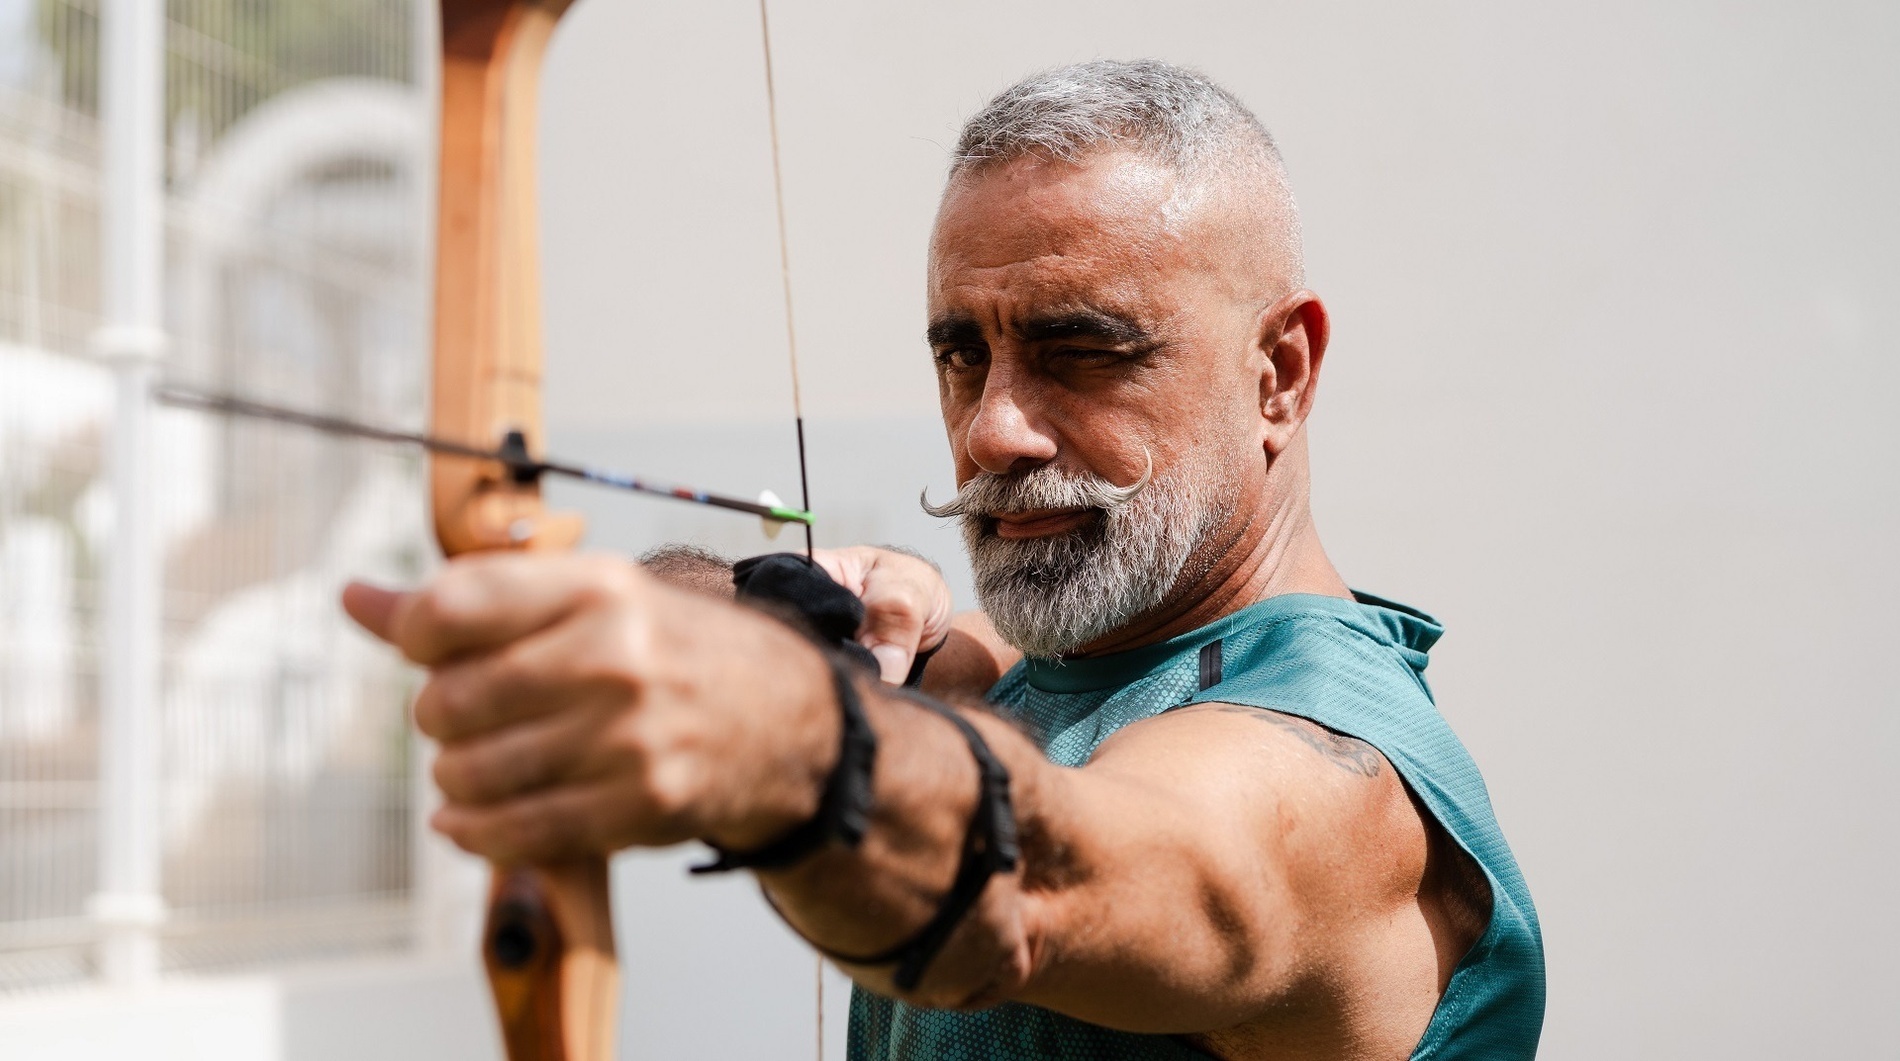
(582, 707)
(906, 603)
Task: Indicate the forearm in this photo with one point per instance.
(864, 900)
(1140, 905)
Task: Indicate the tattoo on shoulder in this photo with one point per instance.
(1348, 753)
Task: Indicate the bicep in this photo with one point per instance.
(1202, 862)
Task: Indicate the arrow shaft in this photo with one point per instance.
(520, 463)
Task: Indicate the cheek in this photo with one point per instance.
(1209, 421)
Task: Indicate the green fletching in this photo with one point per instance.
(792, 515)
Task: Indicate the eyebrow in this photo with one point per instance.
(956, 329)
(1086, 322)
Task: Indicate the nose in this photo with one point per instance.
(1006, 435)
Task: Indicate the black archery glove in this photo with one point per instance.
(804, 594)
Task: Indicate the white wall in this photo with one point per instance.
(1611, 389)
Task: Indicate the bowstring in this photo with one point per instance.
(785, 269)
(798, 405)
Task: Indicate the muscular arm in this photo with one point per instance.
(1220, 870)
(1223, 872)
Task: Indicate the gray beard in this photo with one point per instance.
(1050, 596)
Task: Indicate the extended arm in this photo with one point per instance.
(1212, 869)
(1215, 868)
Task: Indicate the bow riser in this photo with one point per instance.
(548, 943)
(488, 294)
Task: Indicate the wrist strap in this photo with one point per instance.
(920, 661)
(989, 847)
(844, 808)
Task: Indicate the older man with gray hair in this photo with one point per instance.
(1176, 791)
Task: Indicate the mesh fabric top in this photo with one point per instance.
(1355, 667)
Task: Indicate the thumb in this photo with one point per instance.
(893, 661)
(373, 607)
(893, 630)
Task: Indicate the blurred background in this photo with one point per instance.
(1610, 393)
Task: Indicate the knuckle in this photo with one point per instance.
(629, 750)
(451, 773)
(437, 611)
(620, 654)
(448, 707)
(452, 595)
(507, 676)
(655, 774)
(669, 793)
(905, 608)
(606, 577)
(428, 711)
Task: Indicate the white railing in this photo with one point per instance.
(280, 801)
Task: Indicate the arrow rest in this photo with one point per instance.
(522, 467)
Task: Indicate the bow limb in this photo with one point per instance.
(548, 942)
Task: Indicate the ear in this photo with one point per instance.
(1291, 335)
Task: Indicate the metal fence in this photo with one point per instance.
(294, 171)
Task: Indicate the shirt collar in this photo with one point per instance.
(1408, 629)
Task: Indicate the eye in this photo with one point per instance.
(1086, 358)
(961, 358)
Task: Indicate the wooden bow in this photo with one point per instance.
(548, 942)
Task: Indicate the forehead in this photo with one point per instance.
(1104, 227)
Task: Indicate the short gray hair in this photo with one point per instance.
(1177, 115)
(1174, 115)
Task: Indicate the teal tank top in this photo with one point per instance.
(1353, 666)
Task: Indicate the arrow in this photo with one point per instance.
(513, 453)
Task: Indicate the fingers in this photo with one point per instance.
(847, 566)
(596, 655)
(616, 810)
(906, 612)
(547, 826)
(520, 758)
(582, 705)
(487, 600)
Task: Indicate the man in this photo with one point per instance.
(1213, 812)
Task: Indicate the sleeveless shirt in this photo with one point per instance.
(1353, 666)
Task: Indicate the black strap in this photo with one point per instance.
(920, 661)
(803, 593)
(989, 847)
(844, 808)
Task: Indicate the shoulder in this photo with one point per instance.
(1306, 652)
(1342, 675)
(1284, 769)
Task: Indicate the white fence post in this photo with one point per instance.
(128, 905)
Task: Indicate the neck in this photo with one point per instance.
(1268, 549)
